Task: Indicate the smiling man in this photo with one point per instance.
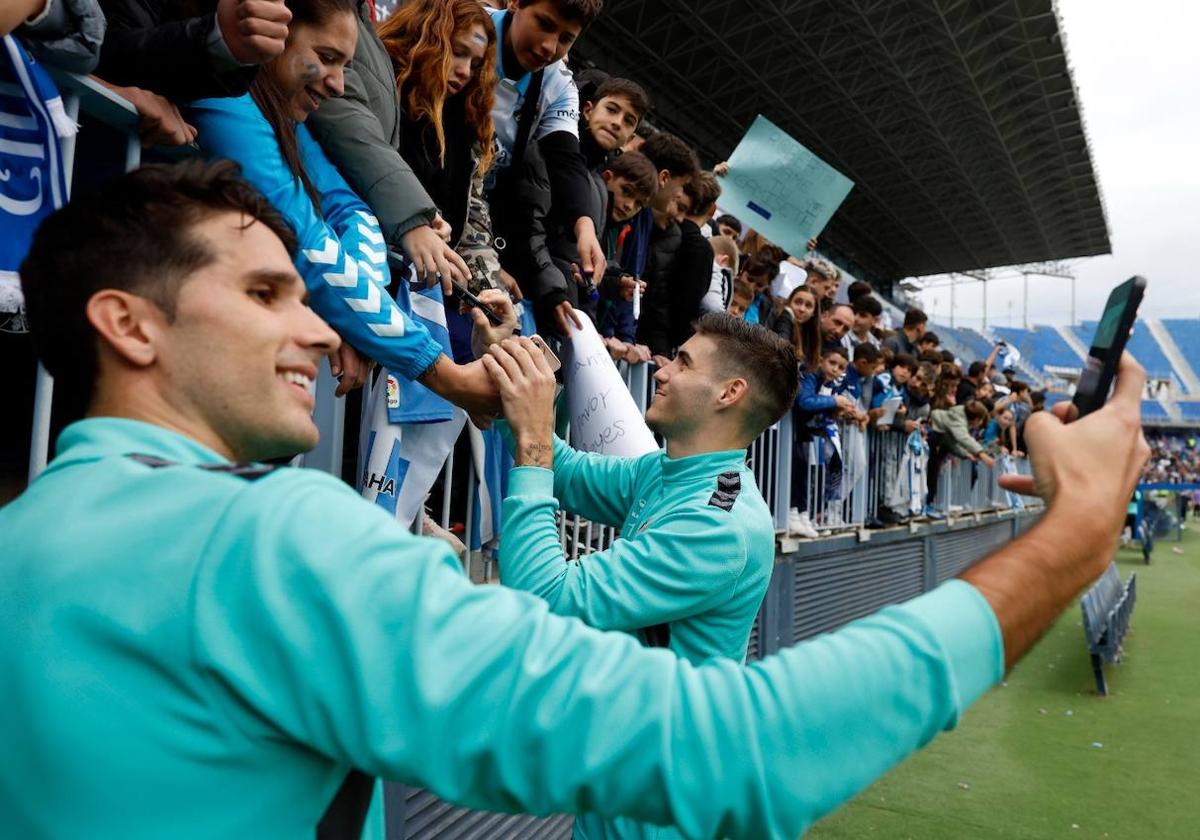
(242, 637)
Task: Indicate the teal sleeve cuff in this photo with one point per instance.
(531, 481)
(963, 622)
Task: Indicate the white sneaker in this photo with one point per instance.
(800, 524)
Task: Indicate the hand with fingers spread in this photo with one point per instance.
(483, 333)
(254, 30)
(349, 367)
(433, 258)
(527, 388)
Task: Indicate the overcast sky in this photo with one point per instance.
(1137, 69)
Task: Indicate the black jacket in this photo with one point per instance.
(690, 277)
(654, 323)
(163, 46)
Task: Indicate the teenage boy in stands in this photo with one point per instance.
(860, 379)
(929, 342)
(534, 37)
(691, 271)
(654, 235)
(729, 226)
(698, 544)
(905, 341)
(824, 277)
(867, 311)
(606, 124)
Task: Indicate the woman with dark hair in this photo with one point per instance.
(798, 323)
(342, 255)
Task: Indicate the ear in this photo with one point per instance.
(664, 175)
(607, 175)
(733, 392)
(130, 325)
(587, 109)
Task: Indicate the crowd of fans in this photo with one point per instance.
(446, 140)
(1173, 460)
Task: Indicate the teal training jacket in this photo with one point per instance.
(191, 653)
(689, 572)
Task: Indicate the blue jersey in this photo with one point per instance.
(342, 255)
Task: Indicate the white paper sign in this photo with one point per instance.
(889, 411)
(604, 417)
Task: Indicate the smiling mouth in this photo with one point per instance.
(302, 383)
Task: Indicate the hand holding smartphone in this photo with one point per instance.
(1112, 334)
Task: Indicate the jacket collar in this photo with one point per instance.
(702, 467)
(103, 437)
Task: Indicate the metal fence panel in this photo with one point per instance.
(957, 551)
(832, 589)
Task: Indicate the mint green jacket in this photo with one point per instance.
(696, 550)
(188, 653)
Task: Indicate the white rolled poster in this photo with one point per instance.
(604, 417)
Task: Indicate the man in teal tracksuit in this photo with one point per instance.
(697, 543)
(191, 646)
(697, 540)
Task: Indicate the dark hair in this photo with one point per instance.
(975, 369)
(134, 233)
(904, 360)
(703, 191)
(860, 288)
(866, 305)
(760, 265)
(914, 318)
(584, 12)
(666, 151)
(834, 350)
(637, 169)
(270, 100)
(868, 351)
(729, 221)
(766, 361)
(1019, 387)
(639, 100)
(930, 338)
(947, 356)
(806, 337)
(931, 356)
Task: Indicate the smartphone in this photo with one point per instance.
(1096, 379)
(551, 359)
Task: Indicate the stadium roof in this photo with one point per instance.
(957, 120)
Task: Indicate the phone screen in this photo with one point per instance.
(1095, 381)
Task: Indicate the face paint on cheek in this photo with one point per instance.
(306, 71)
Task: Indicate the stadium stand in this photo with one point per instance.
(1186, 333)
(1153, 412)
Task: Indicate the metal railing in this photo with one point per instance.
(867, 477)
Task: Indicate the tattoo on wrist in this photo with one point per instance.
(537, 455)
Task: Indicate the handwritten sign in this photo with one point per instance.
(604, 417)
(780, 188)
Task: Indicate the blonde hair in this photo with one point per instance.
(726, 246)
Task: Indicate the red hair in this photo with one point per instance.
(419, 38)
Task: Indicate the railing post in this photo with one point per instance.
(783, 472)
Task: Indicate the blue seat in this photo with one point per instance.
(1107, 609)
